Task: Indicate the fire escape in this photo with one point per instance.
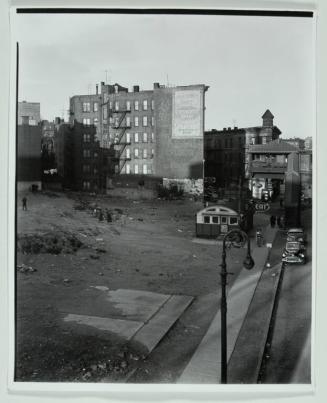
(118, 126)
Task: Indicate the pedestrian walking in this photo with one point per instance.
(259, 237)
(100, 215)
(272, 221)
(24, 201)
(108, 216)
(279, 222)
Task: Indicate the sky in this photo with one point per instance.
(249, 63)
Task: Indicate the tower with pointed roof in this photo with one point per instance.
(267, 119)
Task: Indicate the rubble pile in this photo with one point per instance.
(53, 243)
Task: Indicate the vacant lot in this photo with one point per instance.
(65, 254)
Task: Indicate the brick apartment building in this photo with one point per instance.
(81, 163)
(156, 132)
(28, 156)
(227, 151)
(29, 113)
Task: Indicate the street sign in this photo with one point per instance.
(261, 207)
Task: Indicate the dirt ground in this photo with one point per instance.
(64, 252)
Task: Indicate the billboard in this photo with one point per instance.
(187, 114)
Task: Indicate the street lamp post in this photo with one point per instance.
(236, 238)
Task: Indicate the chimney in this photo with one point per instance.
(96, 89)
(136, 88)
(156, 85)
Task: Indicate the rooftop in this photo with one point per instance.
(274, 147)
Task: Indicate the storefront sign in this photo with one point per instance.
(261, 207)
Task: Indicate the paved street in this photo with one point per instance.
(289, 360)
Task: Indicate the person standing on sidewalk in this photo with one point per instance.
(24, 201)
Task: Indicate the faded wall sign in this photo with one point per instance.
(187, 113)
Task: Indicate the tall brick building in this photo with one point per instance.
(227, 151)
(29, 156)
(155, 132)
(29, 113)
(81, 163)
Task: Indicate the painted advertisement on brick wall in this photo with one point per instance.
(187, 114)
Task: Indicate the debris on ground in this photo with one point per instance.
(23, 268)
(100, 250)
(53, 243)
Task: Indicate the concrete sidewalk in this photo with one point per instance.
(204, 366)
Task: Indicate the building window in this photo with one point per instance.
(136, 121)
(95, 171)
(136, 137)
(86, 168)
(136, 105)
(86, 121)
(136, 152)
(95, 107)
(110, 105)
(152, 137)
(136, 169)
(116, 105)
(128, 121)
(128, 137)
(145, 104)
(95, 121)
(224, 220)
(264, 140)
(86, 107)
(152, 153)
(86, 185)
(128, 169)
(145, 137)
(116, 89)
(95, 154)
(232, 220)
(128, 153)
(116, 122)
(253, 140)
(145, 153)
(105, 97)
(128, 105)
(86, 138)
(145, 169)
(152, 120)
(215, 220)
(152, 104)
(105, 112)
(86, 153)
(206, 219)
(145, 120)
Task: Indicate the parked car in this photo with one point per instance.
(296, 234)
(294, 252)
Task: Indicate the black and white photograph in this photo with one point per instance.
(164, 189)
